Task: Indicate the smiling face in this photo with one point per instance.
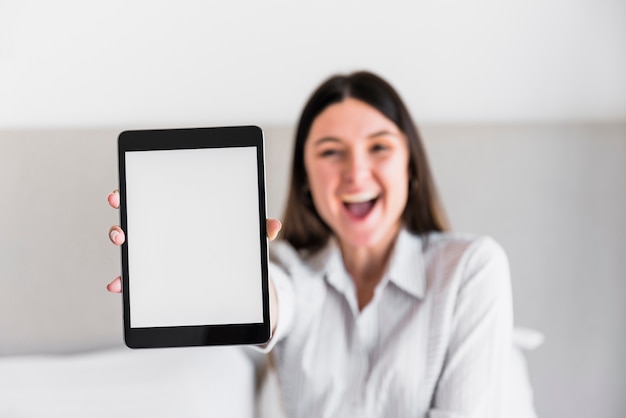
(356, 161)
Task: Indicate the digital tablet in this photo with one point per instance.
(194, 264)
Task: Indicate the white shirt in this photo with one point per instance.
(433, 342)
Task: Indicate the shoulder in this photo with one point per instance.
(462, 246)
(465, 256)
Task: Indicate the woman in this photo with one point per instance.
(377, 310)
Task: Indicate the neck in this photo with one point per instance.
(366, 265)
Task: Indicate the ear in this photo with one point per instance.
(414, 184)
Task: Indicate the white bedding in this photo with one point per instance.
(120, 383)
(182, 383)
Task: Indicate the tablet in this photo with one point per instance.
(194, 264)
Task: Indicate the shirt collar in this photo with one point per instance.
(329, 263)
(406, 266)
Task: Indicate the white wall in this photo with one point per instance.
(141, 63)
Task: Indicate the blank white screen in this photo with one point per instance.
(194, 254)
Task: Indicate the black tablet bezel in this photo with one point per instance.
(194, 138)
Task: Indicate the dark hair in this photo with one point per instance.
(303, 226)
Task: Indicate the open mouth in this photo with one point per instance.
(359, 205)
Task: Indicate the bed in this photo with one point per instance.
(183, 382)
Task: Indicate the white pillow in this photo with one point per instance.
(183, 382)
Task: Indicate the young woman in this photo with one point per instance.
(378, 311)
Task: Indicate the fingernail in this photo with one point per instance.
(114, 234)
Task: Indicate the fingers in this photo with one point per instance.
(273, 228)
(114, 199)
(115, 286)
(116, 235)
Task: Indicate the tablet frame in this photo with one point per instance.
(194, 335)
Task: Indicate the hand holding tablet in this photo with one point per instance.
(205, 280)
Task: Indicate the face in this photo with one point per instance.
(357, 163)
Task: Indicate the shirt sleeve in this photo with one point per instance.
(285, 301)
(473, 381)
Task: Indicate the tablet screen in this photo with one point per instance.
(193, 209)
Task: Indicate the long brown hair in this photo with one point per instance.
(303, 226)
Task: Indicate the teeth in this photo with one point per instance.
(359, 197)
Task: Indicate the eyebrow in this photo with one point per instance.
(326, 139)
(382, 133)
(370, 136)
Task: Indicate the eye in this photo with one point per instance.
(329, 152)
(379, 147)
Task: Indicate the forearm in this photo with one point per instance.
(282, 306)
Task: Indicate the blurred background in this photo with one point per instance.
(522, 106)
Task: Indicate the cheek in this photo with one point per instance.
(318, 181)
(397, 180)
(321, 185)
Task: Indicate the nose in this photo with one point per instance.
(357, 167)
